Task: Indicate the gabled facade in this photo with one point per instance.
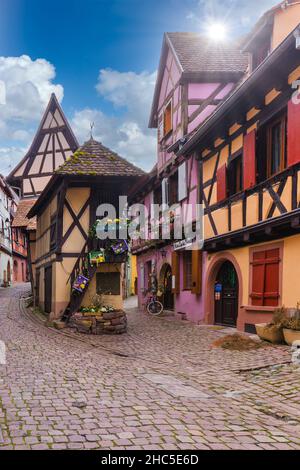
(66, 213)
(194, 78)
(53, 143)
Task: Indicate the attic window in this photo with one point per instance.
(168, 118)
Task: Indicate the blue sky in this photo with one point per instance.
(100, 57)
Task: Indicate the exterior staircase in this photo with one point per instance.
(83, 266)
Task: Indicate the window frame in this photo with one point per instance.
(173, 187)
(187, 261)
(252, 252)
(282, 120)
(168, 106)
(232, 166)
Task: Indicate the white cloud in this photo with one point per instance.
(10, 157)
(125, 132)
(25, 89)
(26, 86)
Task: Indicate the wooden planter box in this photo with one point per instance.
(271, 334)
(290, 336)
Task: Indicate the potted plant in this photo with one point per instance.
(273, 332)
(291, 330)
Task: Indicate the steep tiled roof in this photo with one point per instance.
(197, 53)
(21, 219)
(96, 160)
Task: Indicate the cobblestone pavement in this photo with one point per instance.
(161, 386)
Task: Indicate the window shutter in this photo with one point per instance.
(197, 272)
(182, 182)
(258, 278)
(265, 278)
(249, 158)
(160, 127)
(222, 183)
(175, 273)
(293, 133)
(272, 278)
(165, 191)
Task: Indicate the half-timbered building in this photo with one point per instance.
(195, 76)
(66, 214)
(52, 145)
(249, 162)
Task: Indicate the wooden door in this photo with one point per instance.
(48, 289)
(226, 296)
(37, 288)
(168, 300)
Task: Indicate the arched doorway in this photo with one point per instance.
(165, 279)
(226, 295)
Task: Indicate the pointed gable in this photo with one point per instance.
(52, 145)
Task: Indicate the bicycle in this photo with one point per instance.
(154, 306)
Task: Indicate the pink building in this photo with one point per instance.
(195, 76)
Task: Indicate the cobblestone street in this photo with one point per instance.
(161, 386)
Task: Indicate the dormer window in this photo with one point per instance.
(168, 119)
(261, 53)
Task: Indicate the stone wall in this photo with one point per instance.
(109, 323)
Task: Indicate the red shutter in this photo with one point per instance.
(258, 278)
(175, 273)
(249, 160)
(222, 183)
(271, 295)
(293, 133)
(265, 278)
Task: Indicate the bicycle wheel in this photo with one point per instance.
(155, 308)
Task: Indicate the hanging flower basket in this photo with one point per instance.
(119, 247)
(80, 284)
(97, 257)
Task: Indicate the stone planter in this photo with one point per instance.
(110, 323)
(271, 334)
(291, 335)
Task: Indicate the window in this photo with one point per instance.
(108, 283)
(165, 191)
(261, 53)
(53, 233)
(148, 271)
(235, 175)
(182, 182)
(168, 119)
(265, 278)
(157, 196)
(276, 145)
(187, 271)
(173, 189)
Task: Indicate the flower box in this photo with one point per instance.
(291, 335)
(272, 334)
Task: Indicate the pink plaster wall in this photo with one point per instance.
(185, 302)
(201, 91)
(226, 90)
(201, 117)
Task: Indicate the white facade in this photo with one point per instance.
(6, 261)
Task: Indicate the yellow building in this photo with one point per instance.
(63, 248)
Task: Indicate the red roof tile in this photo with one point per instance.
(20, 219)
